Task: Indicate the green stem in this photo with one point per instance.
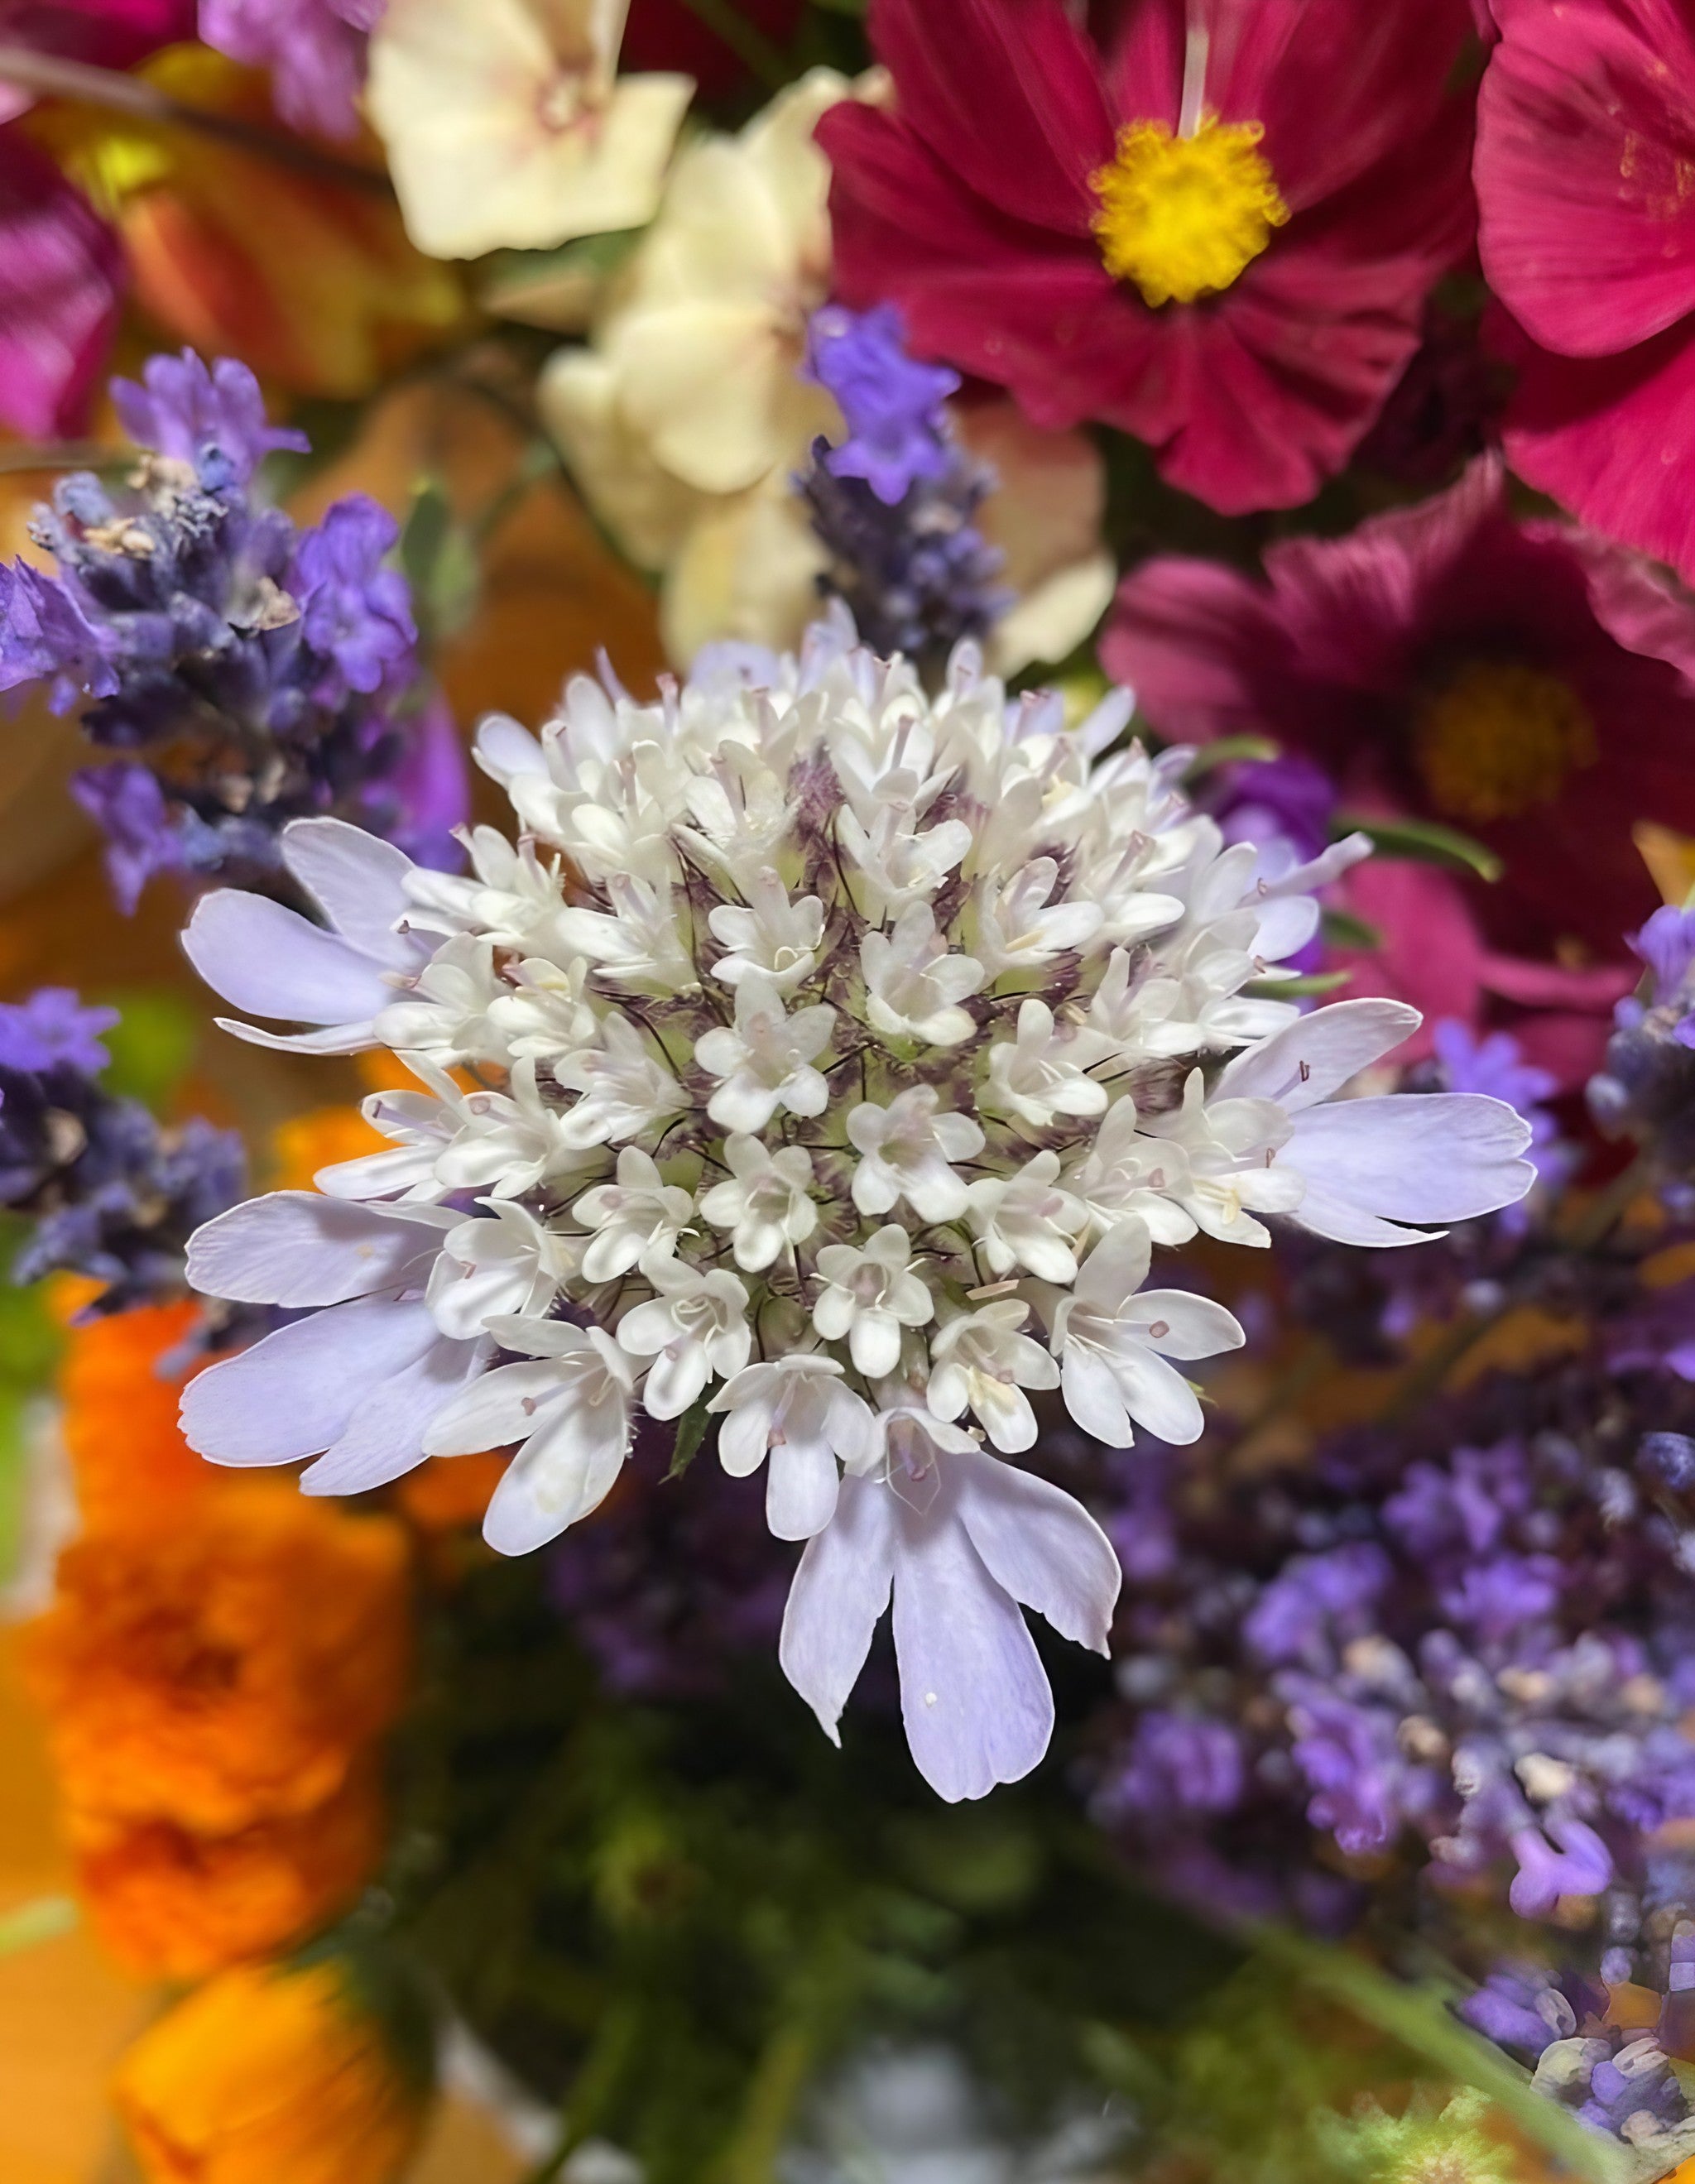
(750, 45)
(48, 75)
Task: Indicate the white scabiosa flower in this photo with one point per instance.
(825, 1065)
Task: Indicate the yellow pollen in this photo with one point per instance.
(1183, 217)
(1498, 738)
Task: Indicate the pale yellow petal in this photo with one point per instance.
(747, 570)
(648, 512)
(712, 386)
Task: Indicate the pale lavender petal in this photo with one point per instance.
(1316, 1055)
(501, 1406)
(298, 1248)
(1042, 1545)
(800, 1489)
(1407, 1157)
(1157, 1396)
(293, 1394)
(974, 1694)
(268, 960)
(359, 879)
(840, 1589)
(385, 1435)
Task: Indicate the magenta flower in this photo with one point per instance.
(61, 282)
(1211, 225)
(1586, 135)
(1523, 682)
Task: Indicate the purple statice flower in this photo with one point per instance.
(245, 673)
(213, 420)
(895, 506)
(314, 50)
(52, 1029)
(892, 403)
(112, 1193)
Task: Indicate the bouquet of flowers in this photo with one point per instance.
(908, 1394)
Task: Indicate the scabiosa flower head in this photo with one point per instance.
(830, 1040)
(250, 673)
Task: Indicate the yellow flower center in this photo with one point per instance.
(1183, 217)
(1498, 738)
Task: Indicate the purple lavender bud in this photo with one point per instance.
(54, 1029)
(353, 610)
(213, 420)
(897, 434)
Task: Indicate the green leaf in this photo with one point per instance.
(32, 1923)
(1285, 990)
(1227, 750)
(691, 1431)
(1342, 929)
(1423, 842)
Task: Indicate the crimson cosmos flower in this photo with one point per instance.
(1527, 683)
(1210, 223)
(1585, 151)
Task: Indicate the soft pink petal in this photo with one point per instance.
(1586, 144)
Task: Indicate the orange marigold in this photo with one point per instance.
(127, 1455)
(227, 1666)
(268, 2077)
(170, 1904)
(319, 1139)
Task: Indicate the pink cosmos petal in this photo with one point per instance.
(293, 1394)
(296, 1248)
(272, 961)
(1374, 73)
(1609, 438)
(1585, 142)
(384, 1437)
(61, 282)
(839, 1592)
(1044, 1547)
(1026, 125)
(974, 1695)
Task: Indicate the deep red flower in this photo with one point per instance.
(1527, 683)
(61, 284)
(1585, 184)
(666, 34)
(1211, 223)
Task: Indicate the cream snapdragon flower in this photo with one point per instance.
(507, 124)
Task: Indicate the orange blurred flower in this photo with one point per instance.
(225, 1667)
(450, 1490)
(309, 279)
(127, 1456)
(171, 1904)
(268, 2077)
(305, 1143)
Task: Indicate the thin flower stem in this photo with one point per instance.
(49, 75)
